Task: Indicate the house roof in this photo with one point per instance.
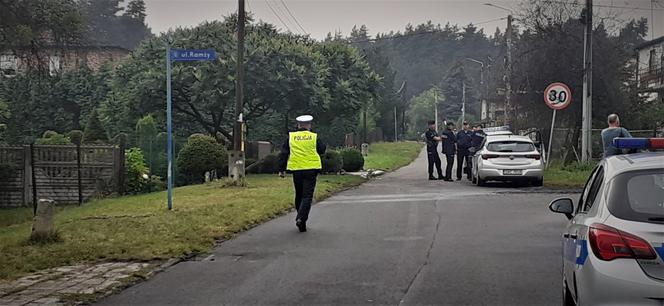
(653, 42)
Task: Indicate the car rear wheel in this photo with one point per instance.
(480, 182)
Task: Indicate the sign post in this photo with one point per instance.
(177, 55)
(556, 96)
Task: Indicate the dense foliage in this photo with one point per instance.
(53, 138)
(352, 159)
(332, 162)
(136, 171)
(94, 130)
(201, 154)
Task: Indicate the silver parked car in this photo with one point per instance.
(613, 245)
(507, 158)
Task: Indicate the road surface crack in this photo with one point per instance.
(427, 256)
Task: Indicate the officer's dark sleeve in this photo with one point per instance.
(283, 156)
(320, 146)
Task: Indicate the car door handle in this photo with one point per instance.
(573, 236)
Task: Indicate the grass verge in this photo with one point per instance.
(390, 156)
(571, 176)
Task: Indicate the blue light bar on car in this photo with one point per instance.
(638, 143)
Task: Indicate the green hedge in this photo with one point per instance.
(352, 159)
(332, 162)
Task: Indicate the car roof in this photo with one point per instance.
(494, 133)
(638, 161)
(494, 138)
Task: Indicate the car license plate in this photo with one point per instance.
(511, 172)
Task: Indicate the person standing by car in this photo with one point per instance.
(432, 138)
(463, 150)
(613, 131)
(301, 155)
(476, 139)
(449, 149)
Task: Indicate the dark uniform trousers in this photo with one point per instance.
(434, 159)
(305, 184)
(460, 158)
(449, 159)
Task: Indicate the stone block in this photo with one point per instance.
(43, 221)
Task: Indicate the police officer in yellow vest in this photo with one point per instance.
(301, 156)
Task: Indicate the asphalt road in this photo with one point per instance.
(397, 240)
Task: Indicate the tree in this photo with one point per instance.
(146, 134)
(4, 119)
(94, 130)
(136, 10)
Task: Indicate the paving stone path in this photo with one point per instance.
(65, 285)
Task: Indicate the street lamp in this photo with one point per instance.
(483, 114)
(508, 68)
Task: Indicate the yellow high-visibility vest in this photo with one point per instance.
(303, 154)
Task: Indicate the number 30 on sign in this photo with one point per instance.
(557, 96)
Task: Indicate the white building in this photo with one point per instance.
(650, 71)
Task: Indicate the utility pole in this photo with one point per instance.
(508, 70)
(236, 158)
(586, 126)
(435, 106)
(463, 102)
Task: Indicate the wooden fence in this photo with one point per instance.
(63, 173)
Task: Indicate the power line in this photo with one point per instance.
(293, 16)
(278, 17)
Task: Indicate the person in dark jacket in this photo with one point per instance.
(449, 149)
(432, 139)
(477, 139)
(463, 151)
(301, 156)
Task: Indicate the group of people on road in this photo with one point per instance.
(463, 144)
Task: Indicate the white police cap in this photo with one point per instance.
(305, 118)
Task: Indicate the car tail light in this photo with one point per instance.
(488, 156)
(534, 156)
(609, 243)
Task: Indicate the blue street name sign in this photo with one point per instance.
(178, 55)
(193, 55)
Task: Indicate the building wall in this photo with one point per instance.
(66, 60)
(646, 78)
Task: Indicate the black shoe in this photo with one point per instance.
(440, 178)
(431, 178)
(458, 178)
(449, 180)
(301, 225)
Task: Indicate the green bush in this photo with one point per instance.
(75, 136)
(202, 153)
(94, 130)
(136, 172)
(332, 162)
(53, 138)
(352, 159)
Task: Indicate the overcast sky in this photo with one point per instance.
(318, 17)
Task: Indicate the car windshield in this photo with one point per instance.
(638, 196)
(510, 146)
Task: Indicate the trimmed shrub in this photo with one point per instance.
(136, 172)
(270, 164)
(94, 130)
(202, 153)
(352, 159)
(75, 136)
(332, 162)
(52, 138)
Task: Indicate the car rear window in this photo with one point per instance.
(510, 146)
(638, 196)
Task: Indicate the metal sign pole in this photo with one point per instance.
(169, 126)
(548, 151)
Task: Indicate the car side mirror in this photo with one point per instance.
(563, 206)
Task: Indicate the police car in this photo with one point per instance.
(613, 245)
(507, 157)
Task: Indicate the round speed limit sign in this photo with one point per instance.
(557, 96)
